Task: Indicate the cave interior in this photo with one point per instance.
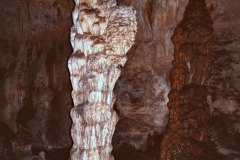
(178, 96)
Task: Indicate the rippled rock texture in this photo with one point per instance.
(36, 90)
(203, 105)
(35, 87)
(142, 90)
(224, 78)
(193, 38)
(101, 36)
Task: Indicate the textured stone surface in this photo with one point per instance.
(204, 107)
(101, 36)
(224, 75)
(224, 78)
(143, 87)
(34, 79)
(185, 137)
(35, 86)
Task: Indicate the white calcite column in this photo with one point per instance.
(101, 36)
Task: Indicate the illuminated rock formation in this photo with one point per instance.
(186, 136)
(101, 36)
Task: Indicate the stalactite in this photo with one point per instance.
(101, 36)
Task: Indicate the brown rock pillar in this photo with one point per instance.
(186, 135)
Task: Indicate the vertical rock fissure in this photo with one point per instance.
(101, 36)
(186, 135)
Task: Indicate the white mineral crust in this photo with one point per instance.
(101, 36)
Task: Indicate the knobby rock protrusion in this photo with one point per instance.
(186, 136)
(101, 36)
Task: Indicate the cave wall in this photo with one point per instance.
(203, 102)
(35, 97)
(143, 87)
(224, 77)
(224, 74)
(34, 82)
(35, 87)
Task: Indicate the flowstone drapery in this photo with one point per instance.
(101, 36)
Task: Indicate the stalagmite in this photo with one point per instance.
(101, 36)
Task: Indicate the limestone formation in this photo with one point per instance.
(186, 135)
(101, 36)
